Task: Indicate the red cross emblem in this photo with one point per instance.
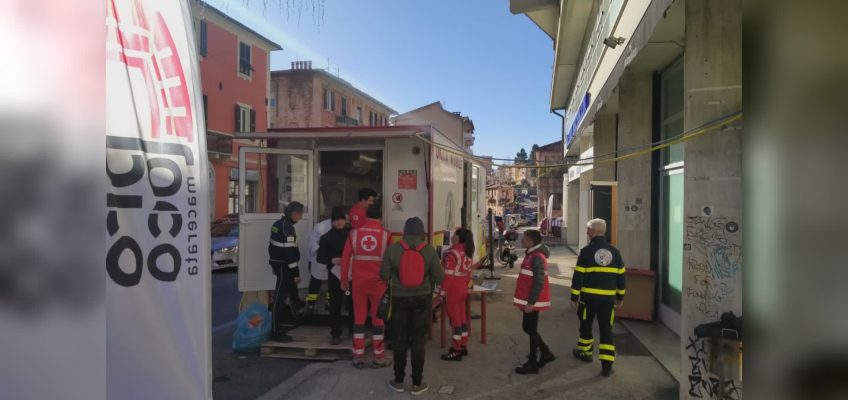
(368, 243)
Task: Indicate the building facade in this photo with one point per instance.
(302, 97)
(549, 181)
(235, 70)
(458, 128)
(500, 197)
(631, 75)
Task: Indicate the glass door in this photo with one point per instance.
(283, 176)
(671, 198)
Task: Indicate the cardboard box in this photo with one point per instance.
(640, 298)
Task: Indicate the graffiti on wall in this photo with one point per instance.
(715, 238)
(702, 384)
(715, 259)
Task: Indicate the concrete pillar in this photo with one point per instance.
(571, 197)
(712, 256)
(634, 175)
(583, 215)
(604, 142)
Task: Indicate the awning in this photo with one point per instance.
(341, 132)
(635, 24)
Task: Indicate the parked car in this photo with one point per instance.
(515, 220)
(225, 238)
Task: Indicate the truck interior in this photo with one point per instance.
(342, 173)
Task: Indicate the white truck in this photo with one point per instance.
(416, 170)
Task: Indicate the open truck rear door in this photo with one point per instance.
(269, 179)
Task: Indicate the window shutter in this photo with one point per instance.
(238, 118)
(253, 120)
(203, 38)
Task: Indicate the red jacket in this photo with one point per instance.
(357, 215)
(457, 268)
(532, 286)
(363, 253)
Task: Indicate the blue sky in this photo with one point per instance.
(473, 55)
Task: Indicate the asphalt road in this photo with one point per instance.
(239, 376)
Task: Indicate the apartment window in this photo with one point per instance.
(359, 114)
(244, 59)
(203, 44)
(249, 197)
(371, 118)
(329, 100)
(344, 106)
(245, 119)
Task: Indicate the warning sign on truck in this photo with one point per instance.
(408, 179)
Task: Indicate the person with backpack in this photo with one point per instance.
(413, 270)
(361, 258)
(457, 265)
(532, 295)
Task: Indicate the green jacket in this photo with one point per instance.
(433, 272)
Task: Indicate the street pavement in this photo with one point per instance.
(239, 376)
(488, 372)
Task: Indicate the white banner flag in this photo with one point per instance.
(157, 218)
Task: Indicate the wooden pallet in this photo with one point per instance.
(308, 343)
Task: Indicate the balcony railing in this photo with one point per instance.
(346, 121)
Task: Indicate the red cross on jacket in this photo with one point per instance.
(363, 253)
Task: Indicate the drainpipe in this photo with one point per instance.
(562, 129)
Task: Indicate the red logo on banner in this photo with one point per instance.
(151, 51)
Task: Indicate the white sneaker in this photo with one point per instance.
(397, 387)
(419, 389)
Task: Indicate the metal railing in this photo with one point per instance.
(346, 120)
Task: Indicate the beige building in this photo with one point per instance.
(500, 196)
(518, 174)
(458, 128)
(305, 97)
(549, 180)
(503, 175)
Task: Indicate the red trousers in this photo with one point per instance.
(366, 297)
(456, 296)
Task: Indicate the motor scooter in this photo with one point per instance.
(506, 253)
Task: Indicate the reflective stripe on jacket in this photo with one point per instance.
(532, 285)
(363, 252)
(599, 274)
(282, 245)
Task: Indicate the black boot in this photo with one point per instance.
(585, 357)
(530, 367)
(547, 356)
(452, 355)
(606, 368)
(464, 351)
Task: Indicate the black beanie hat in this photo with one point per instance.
(338, 213)
(413, 227)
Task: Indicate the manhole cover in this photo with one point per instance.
(447, 389)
